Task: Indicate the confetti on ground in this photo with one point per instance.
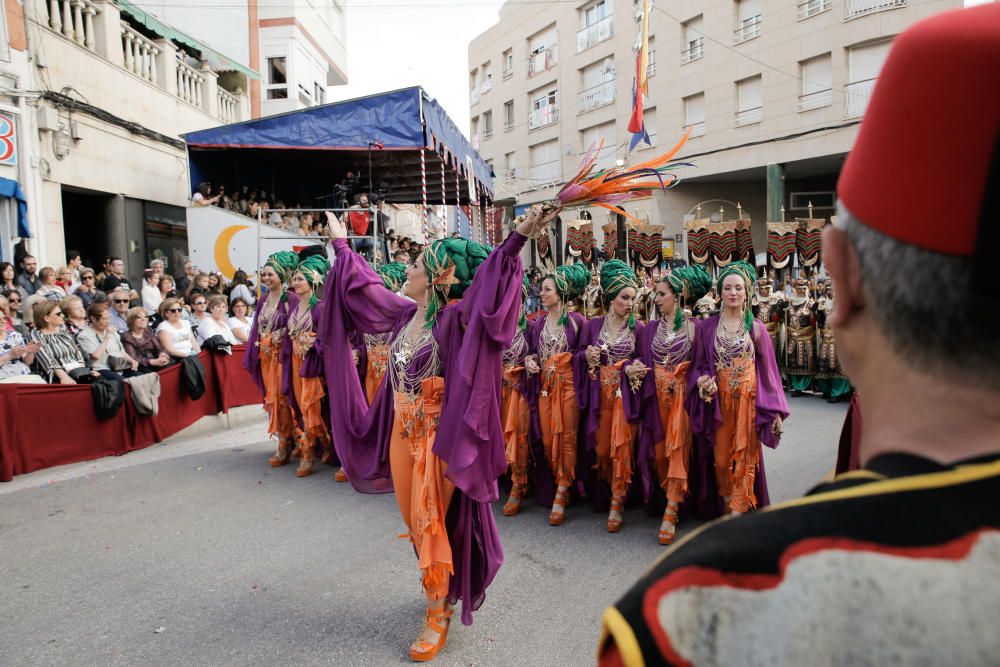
(159, 630)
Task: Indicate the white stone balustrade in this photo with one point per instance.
(140, 54)
(190, 83)
(75, 20)
(229, 106)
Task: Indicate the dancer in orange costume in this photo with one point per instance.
(515, 414)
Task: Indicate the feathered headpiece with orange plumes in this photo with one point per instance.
(610, 188)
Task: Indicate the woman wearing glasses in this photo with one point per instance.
(58, 357)
(86, 290)
(142, 344)
(175, 332)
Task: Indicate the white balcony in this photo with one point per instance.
(598, 96)
(749, 116)
(542, 61)
(816, 100)
(140, 53)
(190, 83)
(697, 129)
(857, 96)
(507, 73)
(509, 125)
(543, 117)
(749, 29)
(544, 173)
(75, 20)
(857, 8)
(813, 7)
(595, 34)
(693, 52)
(229, 106)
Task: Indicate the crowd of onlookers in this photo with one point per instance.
(71, 325)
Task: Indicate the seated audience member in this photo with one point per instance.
(151, 296)
(102, 346)
(14, 310)
(204, 196)
(50, 288)
(240, 288)
(58, 357)
(217, 321)
(241, 323)
(142, 344)
(76, 314)
(7, 277)
(64, 279)
(175, 334)
(16, 355)
(119, 302)
(199, 310)
(86, 290)
(198, 284)
(167, 289)
(216, 283)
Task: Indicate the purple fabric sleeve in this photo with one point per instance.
(251, 356)
(533, 383)
(285, 354)
(771, 401)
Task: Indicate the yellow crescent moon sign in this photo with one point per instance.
(226, 267)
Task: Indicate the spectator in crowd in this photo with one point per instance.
(119, 299)
(58, 357)
(203, 195)
(116, 278)
(240, 288)
(174, 332)
(142, 344)
(402, 257)
(184, 280)
(167, 289)
(74, 263)
(151, 295)
(105, 271)
(241, 323)
(253, 210)
(14, 309)
(87, 291)
(216, 283)
(199, 309)
(217, 321)
(102, 346)
(305, 224)
(65, 279)
(157, 266)
(16, 355)
(198, 284)
(76, 314)
(456, 235)
(28, 282)
(7, 277)
(358, 223)
(49, 288)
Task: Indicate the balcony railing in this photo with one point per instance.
(488, 133)
(598, 96)
(508, 125)
(815, 100)
(75, 20)
(542, 61)
(693, 51)
(229, 106)
(858, 95)
(190, 83)
(749, 28)
(813, 7)
(545, 172)
(542, 117)
(749, 116)
(856, 8)
(140, 53)
(595, 34)
(507, 73)
(697, 129)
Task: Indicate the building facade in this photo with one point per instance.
(773, 92)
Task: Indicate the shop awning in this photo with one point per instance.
(11, 190)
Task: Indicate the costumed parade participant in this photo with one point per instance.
(440, 408)
(376, 346)
(553, 340)
(770, 311)
(735, 399)
(656, 400)
(304, 384)
(800, 343)
(706, 306)
(263, 358)
(593, 301)
(895, 563)
(608, 343)
(830, 377)
(515, 413)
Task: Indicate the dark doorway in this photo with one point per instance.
(90, 226)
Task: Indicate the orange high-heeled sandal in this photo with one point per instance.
(667, 537)
(617, 505)
(282, 456)
(562, 500)
(513, 504)
(340, 475)
(437, 620)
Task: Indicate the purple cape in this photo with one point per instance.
(707, 417)
(251, 358)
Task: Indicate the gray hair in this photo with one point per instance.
(925, 304)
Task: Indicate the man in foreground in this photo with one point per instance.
(895, 563)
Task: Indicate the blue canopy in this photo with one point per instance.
(12, 190)
(389, 129)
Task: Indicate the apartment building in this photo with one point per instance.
(773, 92)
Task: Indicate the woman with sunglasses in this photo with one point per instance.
(58, 357)
(16, 356)
(86, 290)
(174, 332)
(142, 344)
(13, 311)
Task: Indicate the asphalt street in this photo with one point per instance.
(198, 553)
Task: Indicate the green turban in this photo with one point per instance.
(451, 265)
(616, 275)
(749, 275)
(283, 263)
(314, 269)
(689, 283)
(393, 275)
(570, 280)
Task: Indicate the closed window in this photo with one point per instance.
(817, 81)
(694, 114)
(750, 101)
(277, 78)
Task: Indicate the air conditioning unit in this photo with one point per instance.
(47, 119)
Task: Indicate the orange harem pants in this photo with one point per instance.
(515, 417)
(279, 413)
(615, 435)
(423, 493)
(737, 448)
(378, 359)
(559, 416)
(672, 454)
(309, 393)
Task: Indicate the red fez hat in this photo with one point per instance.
(926, 165)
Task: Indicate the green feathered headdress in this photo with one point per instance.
(451, 265)
(570, 280)
(314, 269)
(616, 275)
(749, 275)
(688, 283)
(393, 275)
(283, 263)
